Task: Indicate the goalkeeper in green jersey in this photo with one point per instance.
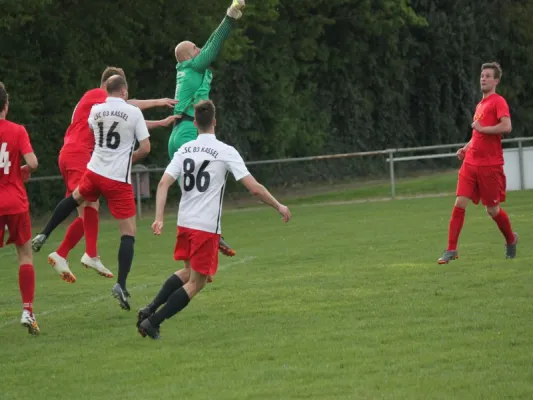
(193, 84)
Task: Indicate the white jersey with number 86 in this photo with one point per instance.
(202, 166)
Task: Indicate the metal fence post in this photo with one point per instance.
(391, 171)
(521, 165)
(139, 206)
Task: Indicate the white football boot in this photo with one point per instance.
(96, 264)
(28, 321)
(61, 266)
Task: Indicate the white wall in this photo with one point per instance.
(512, 168)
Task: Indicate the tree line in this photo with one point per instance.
(296, 78)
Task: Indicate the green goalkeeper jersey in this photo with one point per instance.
(193, 78)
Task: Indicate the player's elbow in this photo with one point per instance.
(256, 189)
(508, 128)
(33, 165)
(31, 161)
(165, 182)
(144, 148)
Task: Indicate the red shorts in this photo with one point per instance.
(19, 226)
(485, 183)
(119, 195)
(200, 248)
(72, 168)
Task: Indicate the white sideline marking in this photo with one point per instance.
(76, 305)
(237, 262)
(348, 202)
(106, 297)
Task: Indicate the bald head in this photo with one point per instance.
(185, 51)
(117, 86)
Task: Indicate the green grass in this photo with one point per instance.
(344, 302)
(441, 183)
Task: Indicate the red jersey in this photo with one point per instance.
(78, 137)
(486, 150)
(14, 143)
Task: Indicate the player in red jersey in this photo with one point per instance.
(481, 176)
(73, 159)
(14, 205)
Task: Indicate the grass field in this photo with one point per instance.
(344, 302)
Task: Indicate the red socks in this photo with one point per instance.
(457, 220)
(456, 224)
(503, 222)
(27, 285)
(72, 237)
(87, 226)
(90, 223)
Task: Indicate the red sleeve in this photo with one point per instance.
(502, 109)
(99, 96)
(24, 142)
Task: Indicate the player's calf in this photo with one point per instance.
(175, 303)
(125, 259)
(27, 286)
(61, 213)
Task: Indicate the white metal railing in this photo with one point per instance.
(391, 160)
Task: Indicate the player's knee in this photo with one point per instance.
(196, 283)
(493, 211)
(184, 274)
(76, 195)
(127, 227)
(461, 202)
(25, 254)
(93, 204)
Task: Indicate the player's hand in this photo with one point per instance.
(461, 153)
(477, 126)
(157, 227)
(25, 173)
(284, 212)
(238, 4)
(166, 102)
(234, 11)
(169, 120)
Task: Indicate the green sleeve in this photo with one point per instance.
(213, 45)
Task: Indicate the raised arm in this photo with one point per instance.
(163, 122)
(146, 104)
(212, 47)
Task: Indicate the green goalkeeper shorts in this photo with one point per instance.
(181, 134)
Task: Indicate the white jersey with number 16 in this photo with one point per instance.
(202, 166)
(116, 126)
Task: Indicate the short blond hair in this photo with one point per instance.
(110, 71)
(495, 67)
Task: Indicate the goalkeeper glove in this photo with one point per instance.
(234, 11)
